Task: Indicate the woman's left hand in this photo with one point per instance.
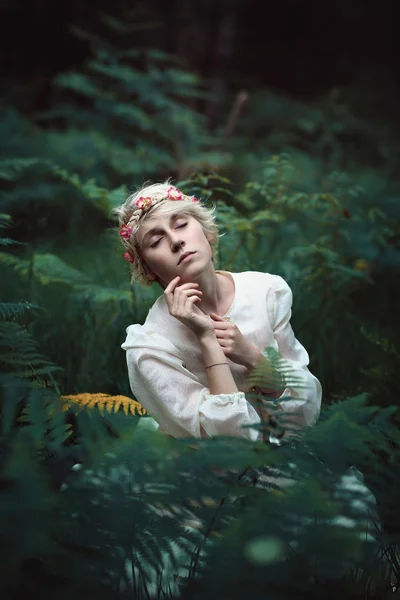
(233, 343)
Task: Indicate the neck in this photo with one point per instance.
(213, 288)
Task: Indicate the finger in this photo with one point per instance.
(223, 345)
(190, 302)
(183, 296)
(177, 290)
(183, 309)
(217, 317)
(221, 334)
(181, 290)
(221, 325)
(171, 286)
(169, 292)
(184, 292)
(193, 299)
(221, 342)
(188, 285)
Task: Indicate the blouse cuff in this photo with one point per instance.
(224, 398)
(226, 414)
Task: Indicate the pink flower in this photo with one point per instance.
(194, 199)
(144, 203)
(174, 194)
(125, 232)
(128, 256)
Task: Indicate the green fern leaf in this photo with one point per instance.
(10, 242)
(19, 354)
(5, 220)
(11, 310)
(44, 421)
(12, 168)
(79, 83)
(47, 268)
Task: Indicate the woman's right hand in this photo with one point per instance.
(181, 305)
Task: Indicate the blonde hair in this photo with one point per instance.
(132, 217)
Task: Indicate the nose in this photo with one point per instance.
(176, 244)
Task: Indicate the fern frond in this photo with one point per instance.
(102, 295)
(47, 268)
(5, 220)
(10, 310)
(50, 269)
(12, 168)
(10, 242)
(101, 197)
(44, 421)
(79, 83)
(381, 341)
(275, 371)
(104, 402)
(19, 354)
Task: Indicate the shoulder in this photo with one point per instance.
(272, 291)
(261, 280)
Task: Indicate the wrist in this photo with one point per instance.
(207, 337)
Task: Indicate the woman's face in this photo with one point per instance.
(164, 241)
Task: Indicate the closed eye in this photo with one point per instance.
(155, 244)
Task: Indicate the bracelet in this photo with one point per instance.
(215, 364)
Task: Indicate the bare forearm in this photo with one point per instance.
(220, 379)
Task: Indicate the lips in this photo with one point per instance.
(184, 256)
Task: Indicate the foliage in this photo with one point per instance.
(19, 354)
(143, 504)
(10, 310)
(92, 503)
(333, 247)
(128, 110)
(138, 506)
(328, 133)
(104, 402)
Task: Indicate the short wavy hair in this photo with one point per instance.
(129, 215)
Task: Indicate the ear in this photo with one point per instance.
(210, 239)
(148, 272)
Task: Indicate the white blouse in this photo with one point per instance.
(167, 374)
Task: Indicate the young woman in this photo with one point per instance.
(188, 364)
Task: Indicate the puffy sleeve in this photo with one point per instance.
(304, 400)
(174, 396)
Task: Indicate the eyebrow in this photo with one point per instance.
(150, 232)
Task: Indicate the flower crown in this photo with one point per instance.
(143, 204)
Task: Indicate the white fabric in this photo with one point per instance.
(167, 375)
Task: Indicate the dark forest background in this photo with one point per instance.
(303, 48)
(285, 116)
